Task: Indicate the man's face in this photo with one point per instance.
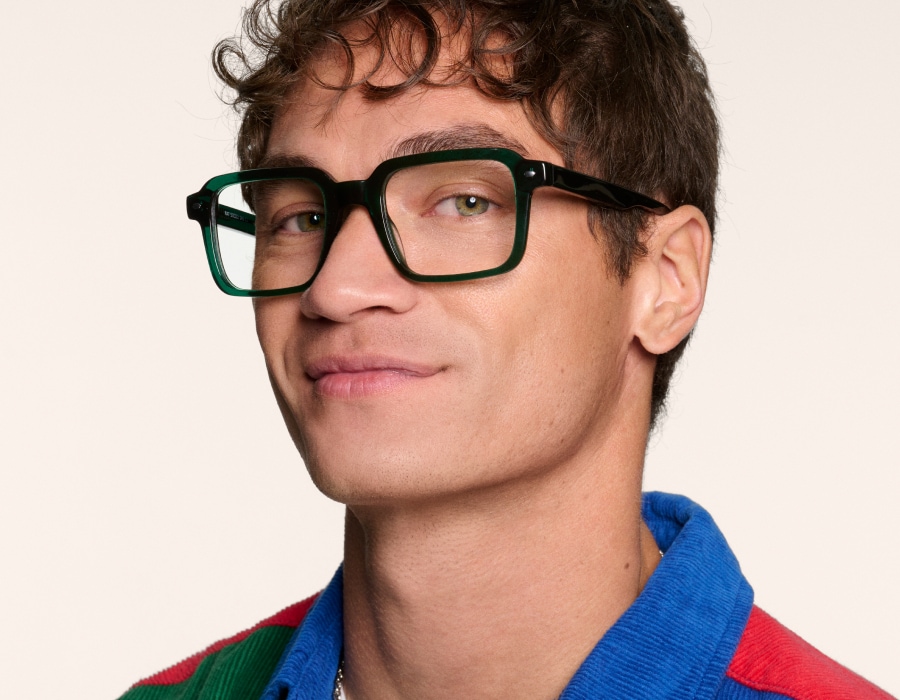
(400, 391)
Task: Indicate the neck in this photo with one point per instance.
(499, 594)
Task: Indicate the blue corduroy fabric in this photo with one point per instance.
(732, 690)
(678, 637)
(675, 641)
(309, 664)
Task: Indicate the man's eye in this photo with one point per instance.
(306, 222)
(463, 205)
(469, 205)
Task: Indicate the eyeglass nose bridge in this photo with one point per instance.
(355, 193)
(351, 192)
(346, 195)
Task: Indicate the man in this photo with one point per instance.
(470, 336)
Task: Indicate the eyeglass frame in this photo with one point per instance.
(528, 175)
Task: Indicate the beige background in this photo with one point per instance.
(151, 501)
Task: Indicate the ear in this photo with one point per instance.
(672, 278)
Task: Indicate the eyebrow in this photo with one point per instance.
(288, 160)
(475, 135)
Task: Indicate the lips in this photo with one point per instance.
(348, 377)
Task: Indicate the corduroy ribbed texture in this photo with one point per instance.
(678, 637)
(310, 662)
(235, 668)
(773, 659)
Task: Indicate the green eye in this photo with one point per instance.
(470, 205)
(310, 221)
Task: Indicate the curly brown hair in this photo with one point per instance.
(616, 85)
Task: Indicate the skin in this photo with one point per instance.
(487, 436)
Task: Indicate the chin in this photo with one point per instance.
(385, 479)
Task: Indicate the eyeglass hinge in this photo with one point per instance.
(197, 207)
(535, 173)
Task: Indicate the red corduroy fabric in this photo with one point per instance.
(291, 616)
(773, 659)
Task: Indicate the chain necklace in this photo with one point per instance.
(338, 693)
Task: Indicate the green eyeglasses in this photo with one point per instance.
(443, 216)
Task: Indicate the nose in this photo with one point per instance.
(357, 275)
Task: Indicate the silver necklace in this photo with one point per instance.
(338, 693)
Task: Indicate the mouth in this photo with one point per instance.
(349, 377)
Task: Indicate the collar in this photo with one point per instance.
(676, 639)
(307, 668)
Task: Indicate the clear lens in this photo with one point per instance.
(453, 218)
(269, 233)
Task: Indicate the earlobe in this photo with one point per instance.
(673, 278)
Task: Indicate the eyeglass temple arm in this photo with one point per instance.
(198, 210)
(242, 221)
(604, 193)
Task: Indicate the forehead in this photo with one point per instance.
(349, 128)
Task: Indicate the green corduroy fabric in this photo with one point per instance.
(240, 671)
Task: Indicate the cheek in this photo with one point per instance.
(546, 375)
(568, 302)
(276, 322)
(562, 346)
